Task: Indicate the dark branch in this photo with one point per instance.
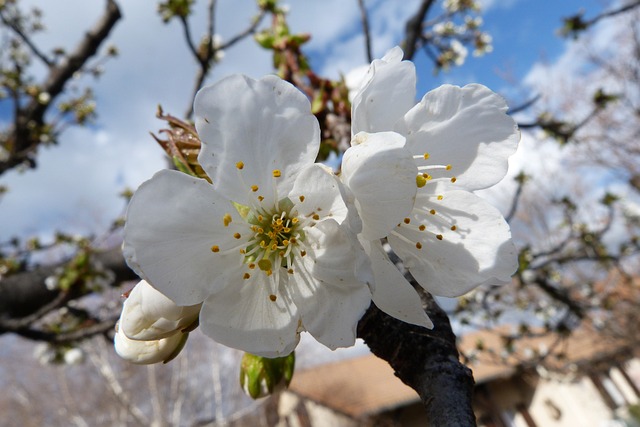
(24, 298)
(365, 30)
(426, 360)
(413, 29)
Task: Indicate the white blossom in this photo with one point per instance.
(263, 248)
(459, 139)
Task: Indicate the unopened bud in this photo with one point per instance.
(261, 376)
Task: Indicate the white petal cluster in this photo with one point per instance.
(274, 244)
(459, 140)
(152, 328)
(264, 247)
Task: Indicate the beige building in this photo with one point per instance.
(594, 384)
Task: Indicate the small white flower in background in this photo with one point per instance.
(73, 356)
(459, 52)
(44, 353)
(263, 247)
(459, 138)
(51, 282)
(217, 43)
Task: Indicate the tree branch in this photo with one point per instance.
(365, 30)
(24, 298)
(426, 360)
(33, 114)
(413, 29)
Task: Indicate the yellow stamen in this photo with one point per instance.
(246, 276)
(240, 165)
(254, 188)
(237, 235)
(448, 167)
(419, 245)
(440, 197)
(407, 220)
(215, 248)
(422, 227)
(453, 179)
(432, 211)
(454, 228)
(439, 236)
(226, 220)
(301, 199)
(426, 156)
(264, 265)
(276, 173)
(273, 297)
(421, 181)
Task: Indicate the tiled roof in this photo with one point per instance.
(366, 385)
(355, 387)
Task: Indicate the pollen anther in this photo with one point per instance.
(277, 173)
(240, 165)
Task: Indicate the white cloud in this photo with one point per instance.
(496, 4)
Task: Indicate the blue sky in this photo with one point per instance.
(76, 185)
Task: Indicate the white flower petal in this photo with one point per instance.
(246, 316)
(479, 249)
(381, 174)
(467, 128)
(317, 191)
(266, 124)
(327, 289)
(149, 315)
(147, 352)
(388, 93)
(392, 293)
(172, 223)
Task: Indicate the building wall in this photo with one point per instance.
(295, 411)
(558, 403)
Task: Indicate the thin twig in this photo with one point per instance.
(365, 30)
(413, 29)
(26, 39)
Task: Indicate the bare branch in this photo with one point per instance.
(26, 39)
(365, 30)
(413, 29)
(32, 115)
(426, 360)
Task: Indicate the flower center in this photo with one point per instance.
(276, 238)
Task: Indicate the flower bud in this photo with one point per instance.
(151, 351)
(261, 376)
(149, 315)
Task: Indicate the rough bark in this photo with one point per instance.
(425, 360)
